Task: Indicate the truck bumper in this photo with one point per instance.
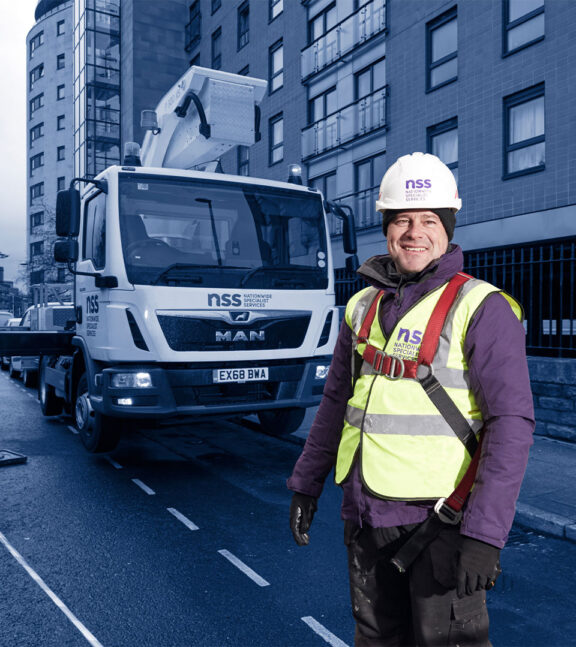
(188, 392)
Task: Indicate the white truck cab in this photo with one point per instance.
(196, 292)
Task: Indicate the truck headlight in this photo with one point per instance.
(131, 381)
(321, 372)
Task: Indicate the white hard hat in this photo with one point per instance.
(418, 181)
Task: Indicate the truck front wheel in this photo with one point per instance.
(99, 433)
(281, 422)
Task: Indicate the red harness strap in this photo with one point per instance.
(394, 367)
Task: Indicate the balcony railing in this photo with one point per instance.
(359, 27)
(359, 118)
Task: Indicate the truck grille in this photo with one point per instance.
(190, 334)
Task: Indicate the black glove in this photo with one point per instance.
(478, 566)
(302, 509)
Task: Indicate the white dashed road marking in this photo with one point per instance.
(189, 524)
(245, 569)
(113, 463)
(321, 630)
(143, 486)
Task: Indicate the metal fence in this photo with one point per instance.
(541, 276)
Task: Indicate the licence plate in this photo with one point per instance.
(256, 374)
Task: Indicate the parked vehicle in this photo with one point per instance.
(5, 316)
(11, 323)
(40, 316)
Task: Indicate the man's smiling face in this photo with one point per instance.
(415, 239)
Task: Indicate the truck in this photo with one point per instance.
(196, 293)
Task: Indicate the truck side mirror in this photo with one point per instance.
(66, 251)
(346, 215)
(68, 213)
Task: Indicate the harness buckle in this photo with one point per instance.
(446, 514)
(378, 365)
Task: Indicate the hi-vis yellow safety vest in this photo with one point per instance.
(407, 451)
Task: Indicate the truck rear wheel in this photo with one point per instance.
(281, 422)
(12, 372)
(50, 403)
(99, 433)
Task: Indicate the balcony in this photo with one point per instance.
(355, 120)
(344, 37)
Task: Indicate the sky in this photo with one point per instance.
(16, 19)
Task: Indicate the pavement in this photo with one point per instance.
(547, 501)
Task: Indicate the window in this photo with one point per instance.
(276, 131)
(36, 191)
(37, 277)
(37, 249)
(217, 49)
(36, 161)
(524, 128)
(524, 132)
(94, 241)
(60, 153)
(443, 142)
(523, 23)
(243, 24)
(60, 61)
(36, 103)
(36, 42)
(367, 176)
(276, 66)
(326, 184)
(194, 26)
(243, 160)
(216, 4)
(36, 74)
(276, 8)
(370, 79)
(322, 105)
(245, 71)
(60, 122)
(36, 132)
(60, 27)
(321, 23)
(60, 184)
(36, 218)
(195, 60)
(442, 49)
(60, 92)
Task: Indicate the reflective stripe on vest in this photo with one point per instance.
(407, 450)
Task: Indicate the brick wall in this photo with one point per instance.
(554, 389)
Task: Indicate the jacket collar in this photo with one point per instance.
(380, 271)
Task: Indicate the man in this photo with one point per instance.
(394, 445)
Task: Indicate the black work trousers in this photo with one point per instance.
(418, 608)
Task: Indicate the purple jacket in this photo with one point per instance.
(498, 371)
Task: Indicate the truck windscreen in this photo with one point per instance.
(200, 232)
